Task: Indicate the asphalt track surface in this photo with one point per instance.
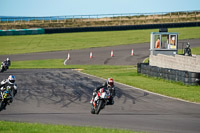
(61, 96)
(101, 56)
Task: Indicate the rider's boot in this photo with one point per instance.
(93, 96)
(92, 100)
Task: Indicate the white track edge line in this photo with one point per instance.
(143, 90)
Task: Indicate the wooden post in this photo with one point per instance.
(178, 15)
(170, 15)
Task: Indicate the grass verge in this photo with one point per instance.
(123, 74)
(195, 50)
(18, 127)
(69, 41)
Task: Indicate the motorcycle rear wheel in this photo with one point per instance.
(2, 105)
(92, 110)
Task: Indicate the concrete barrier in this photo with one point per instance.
(179, 62)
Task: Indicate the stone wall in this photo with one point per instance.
(179, 62)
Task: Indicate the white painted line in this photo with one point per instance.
(144, 90)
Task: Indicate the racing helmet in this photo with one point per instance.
(188, 45)
(7, 59)
(110, 82)
(11, 79)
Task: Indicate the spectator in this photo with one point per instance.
(157, 43)
(187, 50)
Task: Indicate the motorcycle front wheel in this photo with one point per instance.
(99, 105)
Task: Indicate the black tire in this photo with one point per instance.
(2, 105)
(98, 108)
(92, 110)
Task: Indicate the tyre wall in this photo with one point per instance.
(186, 77)
(117, 28)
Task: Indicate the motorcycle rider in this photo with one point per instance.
(9, 84)
(108, 85)
(187, 50)
(7, 63)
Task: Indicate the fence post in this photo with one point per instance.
(153, 17)
(195, 15)
(178, 15)
(170, 15)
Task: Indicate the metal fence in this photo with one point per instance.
(103, 17)
(99, 20)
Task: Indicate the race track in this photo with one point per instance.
(101, 56)
(61, 96)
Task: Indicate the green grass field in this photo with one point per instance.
(67, 41)
(124, 74)
(18, 127)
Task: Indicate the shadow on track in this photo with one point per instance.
(61, 86)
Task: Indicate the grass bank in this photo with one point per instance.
(195, 51)
(124, 74)
(69, 41)
(18, 127)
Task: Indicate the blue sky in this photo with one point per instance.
(88, 7)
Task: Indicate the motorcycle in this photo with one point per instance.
(3, 67)
(100, 101)
(5, 98)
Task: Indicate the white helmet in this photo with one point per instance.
(11, 79)
(7, 59)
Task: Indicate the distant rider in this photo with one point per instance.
(9, 84)
(7, 63)
(108, 85)
(187, 50)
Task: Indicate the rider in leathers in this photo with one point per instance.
(187, 50)
(108, 85)
(9, 83)
(7, 63)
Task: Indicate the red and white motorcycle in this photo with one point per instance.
(100, 101)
